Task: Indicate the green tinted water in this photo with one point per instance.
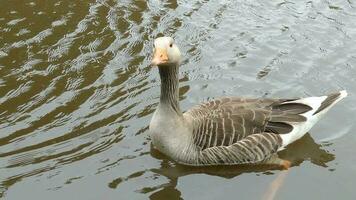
(77, 95)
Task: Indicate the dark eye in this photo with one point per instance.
(170, 45)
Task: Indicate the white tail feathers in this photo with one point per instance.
(319, 105)
(343, 94)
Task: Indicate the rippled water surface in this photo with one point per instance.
(77, 95)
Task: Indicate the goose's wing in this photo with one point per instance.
(248, 129)
(225, 121)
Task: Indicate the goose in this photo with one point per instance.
(227, 130)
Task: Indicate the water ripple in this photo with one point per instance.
(77, 92)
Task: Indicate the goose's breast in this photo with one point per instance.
(172, 138)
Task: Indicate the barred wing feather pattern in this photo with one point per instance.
(235, 130)
(254, 148)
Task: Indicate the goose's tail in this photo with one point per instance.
(319, 106)
(330, 101)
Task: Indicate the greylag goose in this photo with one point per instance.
(228, 130)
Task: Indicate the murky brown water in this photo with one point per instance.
(77, 94)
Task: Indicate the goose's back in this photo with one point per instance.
(234, 130)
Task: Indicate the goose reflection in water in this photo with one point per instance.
(305, 149)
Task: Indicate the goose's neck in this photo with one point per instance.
(170, 88)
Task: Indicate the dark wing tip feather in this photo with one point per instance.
(287, 117)
(330, 99)
(278, 127)
(284, 114)
(292, 108)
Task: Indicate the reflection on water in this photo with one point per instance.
(77, 94)
(303, 149)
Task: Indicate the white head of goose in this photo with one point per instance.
(228, 130)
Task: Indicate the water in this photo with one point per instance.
(77, 95)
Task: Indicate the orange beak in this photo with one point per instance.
(159, 57)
